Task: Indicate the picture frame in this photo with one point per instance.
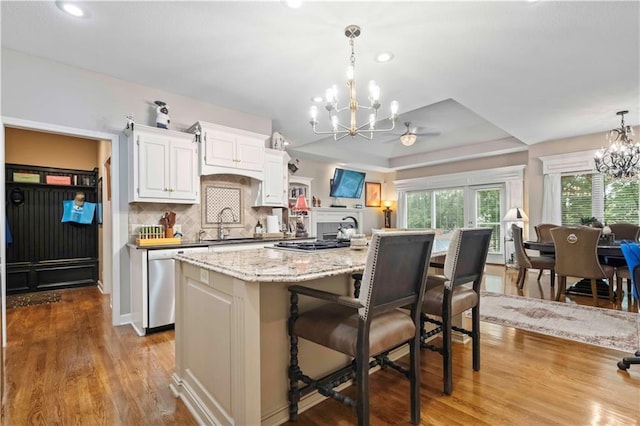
(372, 194)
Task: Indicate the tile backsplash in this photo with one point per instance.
(189, 216)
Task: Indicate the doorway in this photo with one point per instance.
(118, 231)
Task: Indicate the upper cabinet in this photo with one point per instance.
(229, 150)
(163, 166)
(272, 191)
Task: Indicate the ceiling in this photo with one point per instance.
(480, 78)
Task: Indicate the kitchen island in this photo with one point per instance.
(232, 348)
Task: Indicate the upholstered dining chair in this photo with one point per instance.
(371, 325)
(577, 256)
(625, 231)
(526, 262)
(543, 232)
(622, 272)
(631, 254)
(449, 295)
(622, 231)
(544, 236)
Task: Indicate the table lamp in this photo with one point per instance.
(516, 214)
(387, 214)
(301, 207)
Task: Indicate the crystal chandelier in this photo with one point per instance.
(340, 130)
(621, 159)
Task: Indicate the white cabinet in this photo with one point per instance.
(229, 150)
(272, 191)
(163, 166)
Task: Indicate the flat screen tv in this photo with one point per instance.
(346, 184)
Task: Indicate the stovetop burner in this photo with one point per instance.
(314, 245)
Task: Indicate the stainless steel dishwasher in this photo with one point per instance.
(162, 287)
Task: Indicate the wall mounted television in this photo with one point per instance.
(346, 184)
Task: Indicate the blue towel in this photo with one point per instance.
(631, 252)
(8, 236)
(80, 214)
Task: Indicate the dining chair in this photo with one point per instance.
(622, 272)
(543, 233)
(526, 262)
(544, 236)
(631, 254)
(625, 231)
(395, 276)
(449, 295)
(577, 256)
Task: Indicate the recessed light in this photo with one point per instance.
(317, 99)
(72, 9)
(384, 57)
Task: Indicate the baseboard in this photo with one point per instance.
(124, 319)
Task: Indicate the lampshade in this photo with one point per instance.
(301, 204)
(516, 214)
(388, 204)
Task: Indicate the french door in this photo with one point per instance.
(485, 208)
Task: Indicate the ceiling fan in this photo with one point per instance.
(411, 133)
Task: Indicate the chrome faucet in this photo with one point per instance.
(222, 231)
(201, 233)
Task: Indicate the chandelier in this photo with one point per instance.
(339, 130)
(621, 159)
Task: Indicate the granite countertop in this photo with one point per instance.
(277, 265)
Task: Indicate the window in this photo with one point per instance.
(488, 215)
(593, 195)
(436, 209)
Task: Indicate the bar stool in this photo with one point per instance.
(357, 282)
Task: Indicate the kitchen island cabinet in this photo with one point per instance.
(232, 348)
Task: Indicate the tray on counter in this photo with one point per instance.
(158, 241)
(269, 235)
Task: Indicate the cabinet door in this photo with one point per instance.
(249, 153)
(184, 170)
(153, 166)
(220, 149)
(274, 180)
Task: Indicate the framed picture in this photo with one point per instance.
(372, 195)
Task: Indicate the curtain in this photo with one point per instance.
(401, 220)
(551, 200)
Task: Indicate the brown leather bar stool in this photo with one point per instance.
(357, 282)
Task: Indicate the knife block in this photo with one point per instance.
(168, 232)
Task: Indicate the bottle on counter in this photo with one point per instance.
(259, 229)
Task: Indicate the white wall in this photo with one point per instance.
(40, 90)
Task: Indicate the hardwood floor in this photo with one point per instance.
(66, 364)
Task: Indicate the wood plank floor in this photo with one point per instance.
(65, 364)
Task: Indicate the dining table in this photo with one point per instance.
(609, 252)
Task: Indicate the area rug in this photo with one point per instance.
(30, 299)
(597, 326)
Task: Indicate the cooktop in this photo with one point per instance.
(313, 245)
